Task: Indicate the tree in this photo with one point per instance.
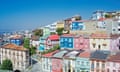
(26, 43)
(59, 31)
(32, 50)
(38, 32)
(7, 65)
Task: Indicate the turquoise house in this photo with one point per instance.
(46, 33)
(82, 62)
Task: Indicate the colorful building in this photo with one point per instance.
(81, 42)
(113, 63)
(47, 61)
(70, 60)
(51, 41)
(115, 43)
(57, 61)
(66, 41)
(82, 62)
(98, 60)
(16, 39)
(100, 41)
(46, 33)
(77, 25)
(60, 24)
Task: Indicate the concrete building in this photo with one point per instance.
(17, 54)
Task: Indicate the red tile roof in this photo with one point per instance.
(16, 37)
(54, 37)
(85, 54)
(101, 19)
(50, 54)
(100, 35)
(14, 47)
(114, 58)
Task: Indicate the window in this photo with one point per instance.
(114, 70)
(70, 40)
(114, 64)
(118, 29)
(108, 70)
(103, 65)
(94, 45)
(99, 47)
(97, 64)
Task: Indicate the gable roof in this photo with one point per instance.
(14, 47)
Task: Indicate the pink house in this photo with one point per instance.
(57, 65)
(52, 41)
(115, 43)
(81, 42)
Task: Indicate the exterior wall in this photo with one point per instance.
(57, 65)
(20, 59)
(77, 26)
(60, 25)
(16, 41)
(46, 64)
(51, 44)
(81, 43)
(99, 44)
(115, 45)
(82, 64)
(112, 66)
(68, 65)
(97, 66)
(66, 42)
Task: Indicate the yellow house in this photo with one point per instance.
(60, 24)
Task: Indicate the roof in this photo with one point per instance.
(14, 47)
(102, 19)
(85, 54)
(60, 54)
(36, 38)
(99, 55)
(114, 58)
(54, 37)
(16, 37)
(99, 35)
(50, 54)
(68, 35)
(73, 53)
(114, 36)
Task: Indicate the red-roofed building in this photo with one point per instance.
(113, 63)
(52, 41)
(47, 61)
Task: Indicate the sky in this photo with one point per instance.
(31, 14)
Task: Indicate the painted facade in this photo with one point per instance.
(99, 42)
(113, 63)
(98, 61)
(66, 41)
(16, 39)
(60, 24)
(82, 62)
(115, 43)
(57, 65)
(81, 42)
(77, 25)
(51, 41)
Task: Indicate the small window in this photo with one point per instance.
(118, 29)
(99, 47)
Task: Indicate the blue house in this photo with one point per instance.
(77, 25)
(17, 39)
(66, 41)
